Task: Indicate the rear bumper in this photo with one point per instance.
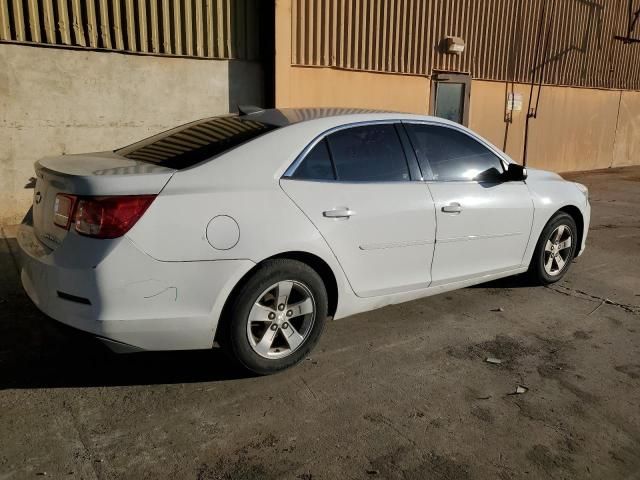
(128, 297)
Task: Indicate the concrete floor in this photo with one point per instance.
(400, 393)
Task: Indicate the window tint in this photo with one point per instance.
(452, 155)
(316, 165)
(195, 142)
(371, 153)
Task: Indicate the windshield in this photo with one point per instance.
(195, 142)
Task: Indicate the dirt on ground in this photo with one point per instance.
(404, 392)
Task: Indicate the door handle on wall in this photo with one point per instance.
(340, 212)
(453, 207)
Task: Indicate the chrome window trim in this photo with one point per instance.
(462, 129)
(300, 158)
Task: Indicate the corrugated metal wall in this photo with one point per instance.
(226, 29)
(405, 36)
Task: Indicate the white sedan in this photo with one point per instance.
(250, 230)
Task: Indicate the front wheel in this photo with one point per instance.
(555, 250)
(276, 317)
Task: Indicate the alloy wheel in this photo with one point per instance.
(281, 319)
(557, 250)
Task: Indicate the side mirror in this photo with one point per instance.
(515, 173)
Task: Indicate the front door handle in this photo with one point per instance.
(453, 207)
(340, 212)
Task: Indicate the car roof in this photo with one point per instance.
(282, 117)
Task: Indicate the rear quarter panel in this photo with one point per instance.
(242, 184)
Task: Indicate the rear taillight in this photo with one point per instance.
(102, 217)
(109, 217)
(63, 210)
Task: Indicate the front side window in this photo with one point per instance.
(370, 153)
(453, 155)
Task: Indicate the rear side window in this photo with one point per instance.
(370, 153)
(316, 164)
(195, 142)
(452, 155)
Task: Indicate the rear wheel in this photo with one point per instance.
(276, 317)
(555, 250)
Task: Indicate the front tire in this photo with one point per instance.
(276, 317)
(555, 249)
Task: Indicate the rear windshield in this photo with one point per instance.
(189, 144)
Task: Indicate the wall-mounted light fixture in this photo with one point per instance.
(454, 45)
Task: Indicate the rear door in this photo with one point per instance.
(356, 186)
(483, 221)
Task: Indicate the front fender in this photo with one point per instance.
(550, 194)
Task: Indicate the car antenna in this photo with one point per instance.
(248, 109)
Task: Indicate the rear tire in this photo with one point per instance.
(276, 317)
(555, 250)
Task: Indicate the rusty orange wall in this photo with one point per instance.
(575, 128)
(326, 87)
(404, 36)
(330, 87)
(627, 144)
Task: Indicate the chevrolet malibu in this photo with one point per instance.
(250, 230)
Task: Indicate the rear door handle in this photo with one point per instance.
(340, 212)
(453, 207)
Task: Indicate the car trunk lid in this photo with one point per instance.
(95, 174)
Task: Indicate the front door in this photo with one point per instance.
(483, 222)
(355, 186)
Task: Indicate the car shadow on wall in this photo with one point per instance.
(37, 352)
